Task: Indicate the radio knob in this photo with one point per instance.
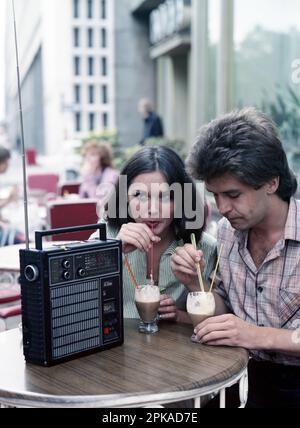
(31, 273)
(66, 264)
(81, 272)
(67, 275)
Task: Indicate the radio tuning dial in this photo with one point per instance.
(67, 275)
(81, 272)
(66, 264)
(31, 273)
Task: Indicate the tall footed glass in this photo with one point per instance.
(200, 306)
(147, 300)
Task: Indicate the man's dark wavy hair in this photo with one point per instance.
(245, 144)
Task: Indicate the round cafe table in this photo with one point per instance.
(148, 370)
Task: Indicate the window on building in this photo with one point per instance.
(91, 66)
(91, 91)
(91, 121)
(103, 6)
(104, 95)
(105, 120)
(78, 122)
(76, 37)
(90, 6)
(77, 94)
(76, 8)
(104, 66)
(90, 37)
(77, 66)
(103, 38)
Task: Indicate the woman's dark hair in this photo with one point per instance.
(4, 154)
(163, 159)
(245, 144)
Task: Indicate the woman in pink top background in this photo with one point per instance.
(97, 170)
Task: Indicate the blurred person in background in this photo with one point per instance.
(153, 126)
(98, 174)
(8, 234)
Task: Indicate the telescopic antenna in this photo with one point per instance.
(22, 134)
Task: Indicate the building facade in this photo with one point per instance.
(212, 56)
(86, 63)
(81, 71)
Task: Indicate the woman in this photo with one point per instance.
(97, 170)
(153, 224)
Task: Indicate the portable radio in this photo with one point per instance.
(72, 302)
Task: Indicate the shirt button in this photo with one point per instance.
(260, 289)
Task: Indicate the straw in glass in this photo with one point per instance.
(152, 260)
(216, 269)
(130, 272)
(193, 240)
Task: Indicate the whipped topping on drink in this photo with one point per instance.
(147, 300)
(200, 306)
(147, 293)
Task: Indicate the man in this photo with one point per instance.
(153, 126)
(242, 162)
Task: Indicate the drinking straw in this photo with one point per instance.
(216, 269)
(193, 240)
(152, 260)
(130, 272)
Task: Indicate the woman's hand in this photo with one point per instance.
(183, 264)
(167, 310)
(137, 236)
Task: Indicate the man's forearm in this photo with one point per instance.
(279, 340)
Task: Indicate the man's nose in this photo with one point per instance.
(224, 206)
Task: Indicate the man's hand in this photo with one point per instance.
(183, 265)
(227, 330)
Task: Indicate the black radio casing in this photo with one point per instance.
(72, 300)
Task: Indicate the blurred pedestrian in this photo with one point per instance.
(153, 126)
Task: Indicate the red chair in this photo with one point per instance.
(47, 182)
(31, 157)
(69, 189)
(67, 214)
(10, 308)
(10, 317)
(9, 294)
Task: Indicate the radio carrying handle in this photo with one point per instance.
(41, 233)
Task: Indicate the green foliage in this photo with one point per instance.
(179, 146)
(285, 112)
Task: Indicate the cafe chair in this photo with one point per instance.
(10, 317)
(46, 182)
(68, 213)
(71, 188)
(9, 294)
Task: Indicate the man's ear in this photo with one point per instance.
(272, 185)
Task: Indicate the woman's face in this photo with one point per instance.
(150, 202)
(4, 166)
(93, 157)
